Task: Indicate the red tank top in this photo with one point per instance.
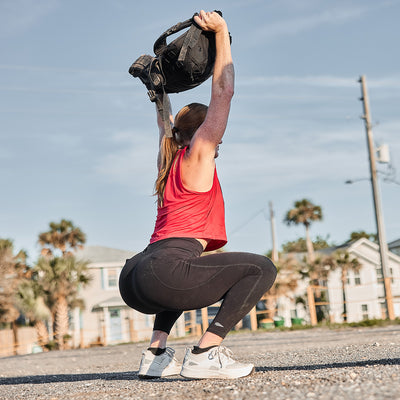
(186, 213)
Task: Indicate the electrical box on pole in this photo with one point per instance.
(382, 154)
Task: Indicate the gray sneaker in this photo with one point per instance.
(215, 363)
(152, 366)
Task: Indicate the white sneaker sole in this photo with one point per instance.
(198, 373)
(152, 374)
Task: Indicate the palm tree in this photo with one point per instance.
(13, 270)
(346, 263)
(318, 271)
(288, 275)
(362, 234)
(63, 236)
(60, 278)
(304, 212)
(286, 280)
(299, 245)
(31, 303)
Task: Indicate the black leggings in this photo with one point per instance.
(170, 277)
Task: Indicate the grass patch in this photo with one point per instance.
(360, 324)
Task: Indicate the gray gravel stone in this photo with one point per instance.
(351, 363)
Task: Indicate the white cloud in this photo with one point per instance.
(392, 82)
(293, 160)
(131, 161)
(337, 14)
(318, 81)
(36, 68)
(19, 15)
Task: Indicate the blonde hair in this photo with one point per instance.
(186, 123)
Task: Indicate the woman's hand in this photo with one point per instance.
(210, 21)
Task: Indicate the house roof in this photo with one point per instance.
(356, 247)
(394, 244)
(332, 249)
(111, 302)
(101, 254)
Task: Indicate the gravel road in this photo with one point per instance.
(350, 363)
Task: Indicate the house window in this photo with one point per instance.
(357, 278)
(364, 309)
(114, 313)
(148, 321)
(112, 278)
(379, 275)
(109, 278)
(391, 274)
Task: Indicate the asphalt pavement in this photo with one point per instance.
(319, 363)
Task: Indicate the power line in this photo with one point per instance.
(247, 221)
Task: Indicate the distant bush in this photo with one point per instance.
(52, 345)
(374, 322)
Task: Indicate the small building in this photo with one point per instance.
(364, 290)
(365, 297)
(106, 319)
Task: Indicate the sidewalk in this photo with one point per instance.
(356, 364)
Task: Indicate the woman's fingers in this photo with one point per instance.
(209, 21)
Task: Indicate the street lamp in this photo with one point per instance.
(377, 203)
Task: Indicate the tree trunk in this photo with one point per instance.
(310, 247)
(42, 333)
(61, 321)
(344, 277)
(271, 306)
(14, 328)
(311, 258)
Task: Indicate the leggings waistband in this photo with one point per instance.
(186, 243)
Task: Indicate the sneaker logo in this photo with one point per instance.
(219, 325)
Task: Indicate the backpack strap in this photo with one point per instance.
(161, 42)
(165, 115)
(190, 40)
(164, 107)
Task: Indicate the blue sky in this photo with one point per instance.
(79, 138)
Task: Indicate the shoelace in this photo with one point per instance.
(223, 353)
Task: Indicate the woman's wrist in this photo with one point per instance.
(222, 28)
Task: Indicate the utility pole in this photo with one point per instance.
(275, 255)
(377, 203)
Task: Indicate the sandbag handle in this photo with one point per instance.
(161, 42)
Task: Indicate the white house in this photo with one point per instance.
(106, 319)
(364, 290)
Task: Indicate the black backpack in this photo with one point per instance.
(181, 65)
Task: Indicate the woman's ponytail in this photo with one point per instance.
(186, 123)
(168, 150)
